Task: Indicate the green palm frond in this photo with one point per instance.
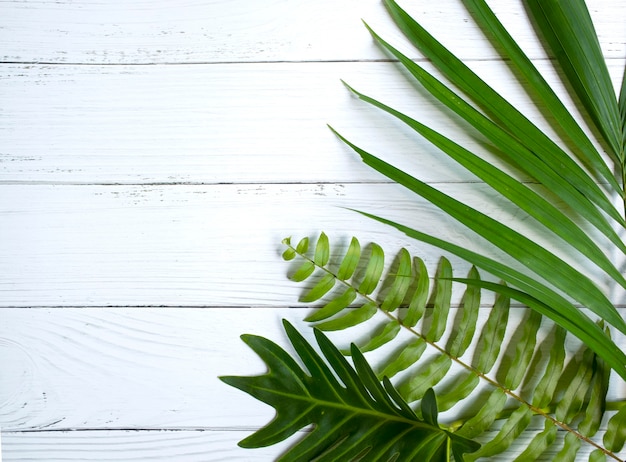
(572, 175)
(407, 317)
(354, 418)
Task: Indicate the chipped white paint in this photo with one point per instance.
(152, 157)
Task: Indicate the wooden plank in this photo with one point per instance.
(104, 371)
(182, 446)
(244, 30)
(127, 445)
(199, 245)
(247, 123)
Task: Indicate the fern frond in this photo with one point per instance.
(524, 382)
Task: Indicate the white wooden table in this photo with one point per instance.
(153, 155)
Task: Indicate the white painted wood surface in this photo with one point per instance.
(152, 157)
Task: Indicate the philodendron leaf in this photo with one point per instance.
(353, 415)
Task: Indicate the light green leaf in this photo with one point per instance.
(424, 378)
(492, 334)
(350, 260)
(524, 349)
(462, 336)
(486, 416)
(443, 294)
(334, 306)
(303, 272)
(419, 299)
(573, 399)
(571, 446)
(373, 271)
(539, 443)
(303, 246)
(322, 251)
(320, 289)
(349, 319)
(386, 333)
(512, 428)
(408, 355)
(461, 389)
(544, 390)
(401, 282)
(615, 435)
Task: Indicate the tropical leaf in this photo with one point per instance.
(419, 348)
(569, 175)
(354, 416)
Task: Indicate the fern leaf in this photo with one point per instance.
(524, 350)
(349, 319)
(424, 378)
(492, 335)
(523, 381)
(544, 390)
(400, 284)
(335, 305)
(486, 416)
(354, 418)
(406, 357)
(443, 294)
(462, 336)
(385, 334)
(539, 443)
(511, 430)
(373, 271)
(320, 289)
(615, 435)
(419, 299)
(350, 261)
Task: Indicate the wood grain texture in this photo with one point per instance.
(183, 446)
(224, 123)
(140, 31)
(207, 245)
(110, 370)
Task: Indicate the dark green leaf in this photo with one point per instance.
(355, 417)
(568, 29)
(534, 294)
(546, 150)
(494, 29)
